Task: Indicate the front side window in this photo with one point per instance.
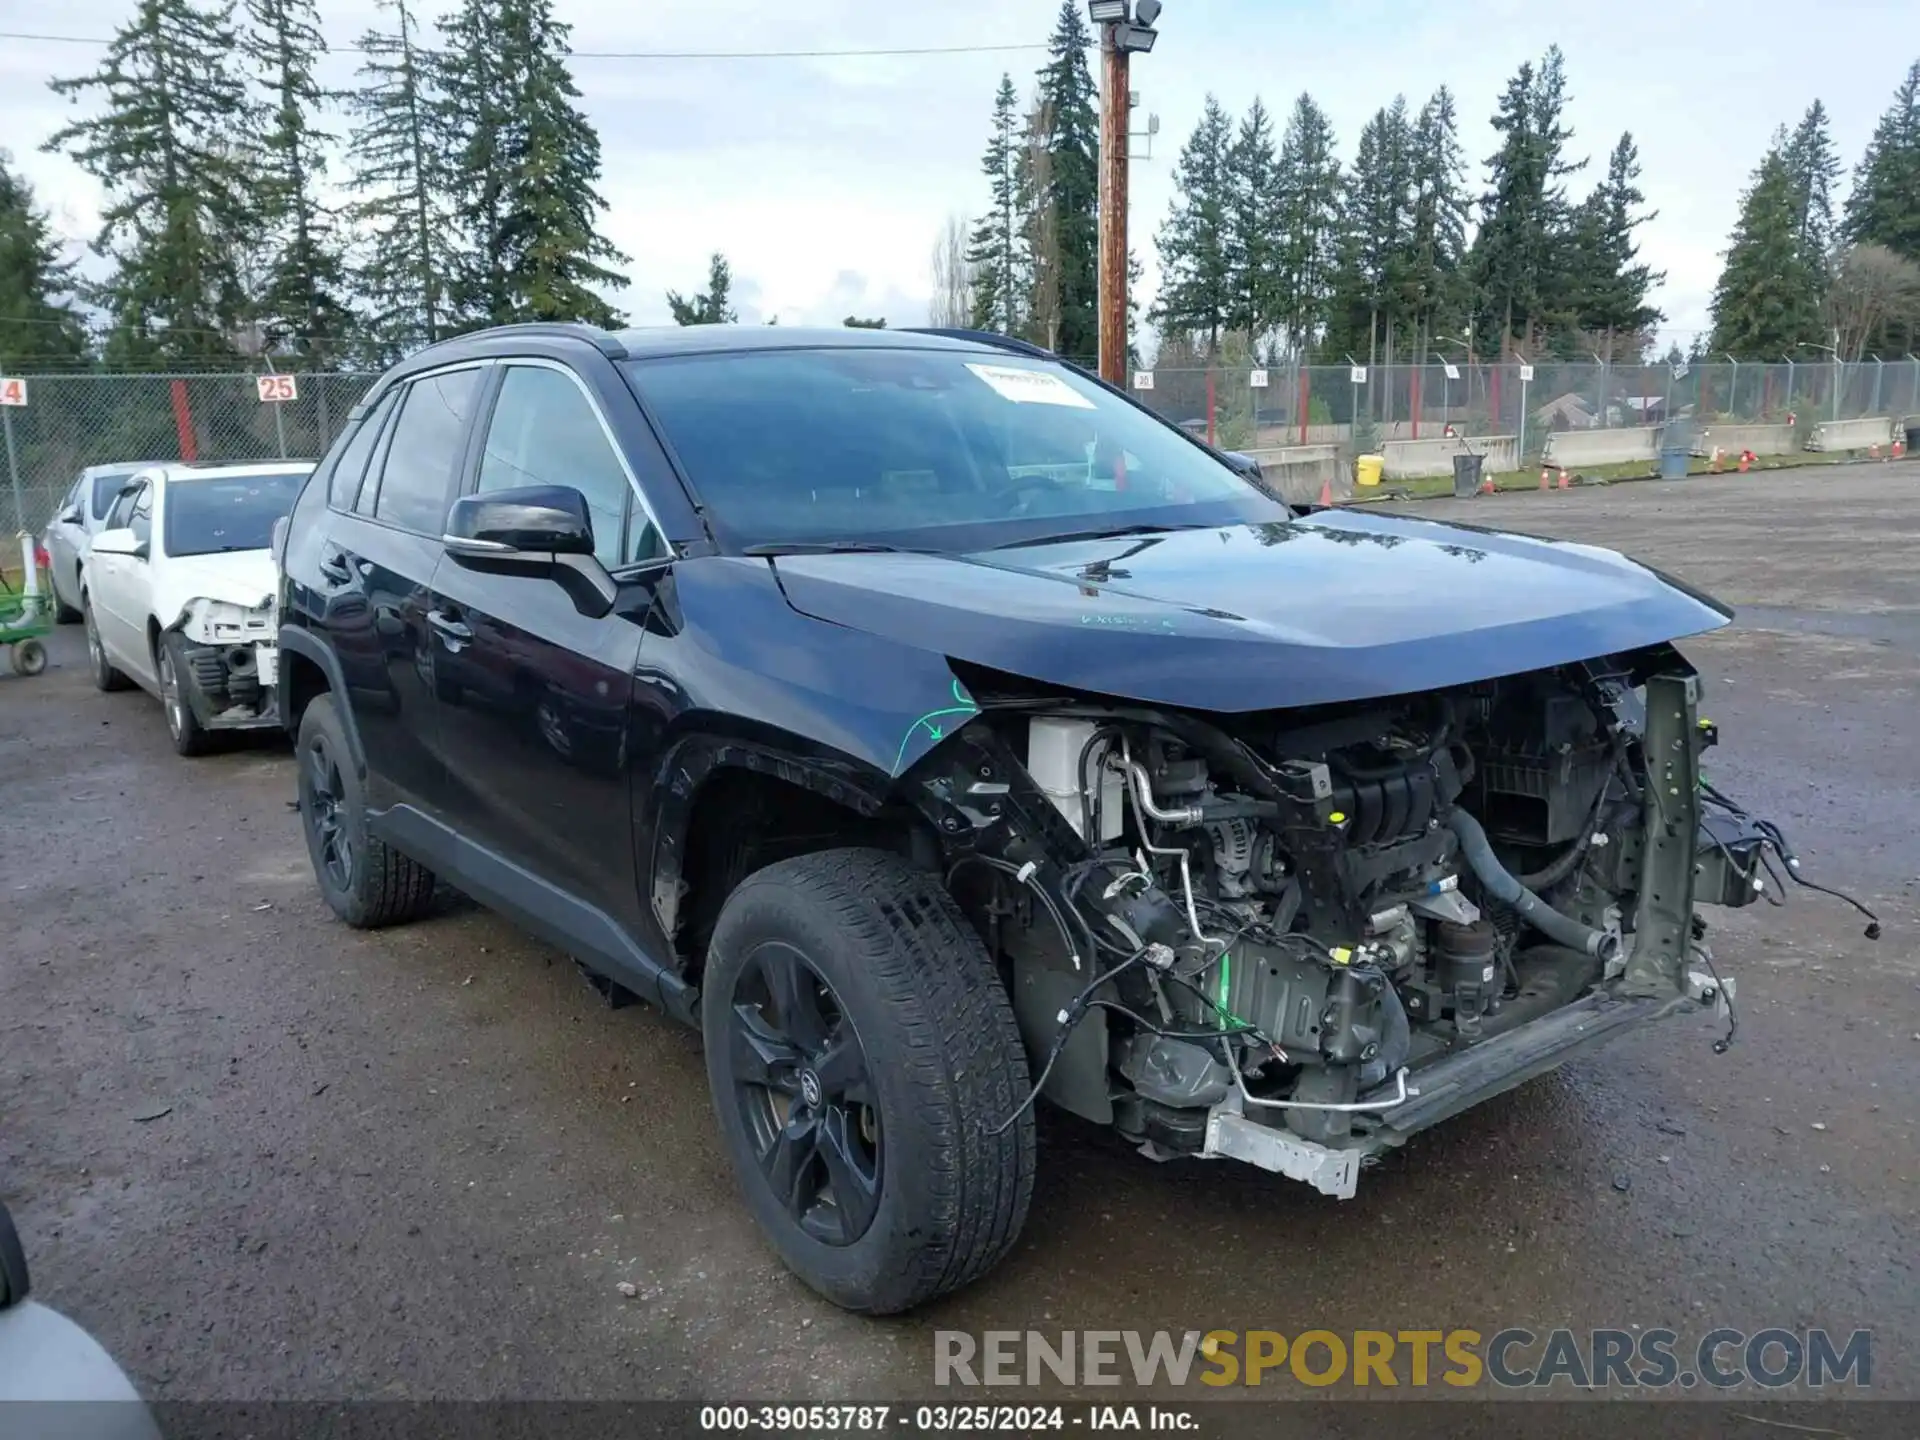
(120, 517)
(544, 431)
(107, 487)
(221, 514)
(928, 448)
(423, 452)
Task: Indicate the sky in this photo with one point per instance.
(825, 180)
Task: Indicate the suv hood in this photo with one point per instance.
(1253, 617)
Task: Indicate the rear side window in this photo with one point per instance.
(417, 474)
(343, 486)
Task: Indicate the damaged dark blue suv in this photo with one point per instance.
(936, 728)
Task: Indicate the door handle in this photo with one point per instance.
(335, 568)
(456, 632)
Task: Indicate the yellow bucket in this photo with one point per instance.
(1367, 468)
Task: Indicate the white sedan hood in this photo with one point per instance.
(242, 577)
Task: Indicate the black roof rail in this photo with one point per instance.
(605, 341)
(983, 337)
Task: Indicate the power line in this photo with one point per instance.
(638, 54)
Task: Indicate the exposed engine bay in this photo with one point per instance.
(1294, 938)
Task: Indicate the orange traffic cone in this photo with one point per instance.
(1563, 477)
(1899, 447)
(1543, 477)
(1326, 492)
(1486, 486)
(1746, 461)
(1713, 462)
(1873, 451)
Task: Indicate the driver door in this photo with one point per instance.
(120, 586)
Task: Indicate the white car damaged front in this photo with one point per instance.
(228, 643)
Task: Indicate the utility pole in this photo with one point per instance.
(1125, 27)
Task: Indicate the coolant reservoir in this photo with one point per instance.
(1054, 750)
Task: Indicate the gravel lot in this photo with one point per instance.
(263, 1156)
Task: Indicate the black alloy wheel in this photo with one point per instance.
(325, 791)
(800, 1080)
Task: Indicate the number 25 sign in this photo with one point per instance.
(276, 389)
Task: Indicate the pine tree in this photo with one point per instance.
(715, 305)
(1308, 224)
(1611, 290)
(1437, 225)
(39, 328)
(179, 205)
(529, 161)
(996, 253)
(1764, 304)
(302, 305)
(1070, 198)
(1200, 283)
(1884, 208)
(1814, 166)
(1253, 235)
(1519, 264)
(400, 166)
(1369, 288)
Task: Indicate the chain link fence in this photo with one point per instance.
(72, 421)
(1360, 407)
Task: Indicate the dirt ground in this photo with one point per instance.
(263, 1156)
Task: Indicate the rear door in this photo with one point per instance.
(375, 561)
(532, 694)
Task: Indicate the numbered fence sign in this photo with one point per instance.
(1359, 374)
(1258, 380)
(1526, 373)
(13, 390)
(276, 389)
(1143, 380)
(1453, 371)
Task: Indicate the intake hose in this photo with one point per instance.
(1501, 885)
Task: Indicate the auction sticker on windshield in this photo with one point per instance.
(1031, 387)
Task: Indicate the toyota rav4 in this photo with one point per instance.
(935, 728)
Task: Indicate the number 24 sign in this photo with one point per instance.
(276, 389)
(13, 390)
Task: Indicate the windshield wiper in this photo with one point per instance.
(832, 547)
(1111, 533)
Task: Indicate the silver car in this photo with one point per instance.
(83, 510)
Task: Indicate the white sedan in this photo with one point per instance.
(177, 594)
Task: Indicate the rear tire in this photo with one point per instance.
(368, 883)
(105, 677)
(876, 957)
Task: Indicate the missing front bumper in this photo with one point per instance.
(232, 686)
(1435, 1093)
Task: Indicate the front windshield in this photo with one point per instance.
(937, 449)
(234, 512)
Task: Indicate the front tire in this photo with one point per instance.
(860, 1049)
(367, 882)
(189, 736)
(105, 677)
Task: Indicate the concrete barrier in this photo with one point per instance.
(1732, 439)
(1832, 435)
(1298, 471)
(1422, 459)
(1574, 448)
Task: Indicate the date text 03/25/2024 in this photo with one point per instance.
(977, 1419)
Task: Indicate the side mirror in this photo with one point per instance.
(72, 516)
(119, 542)
(540, 531)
